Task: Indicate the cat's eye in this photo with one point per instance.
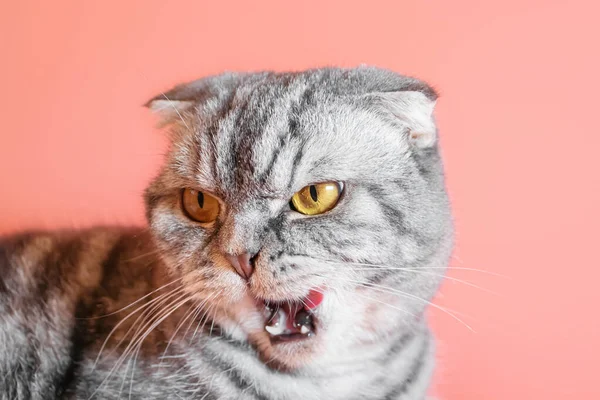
(200, 206)
(316, 199)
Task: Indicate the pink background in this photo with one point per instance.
(518, 115)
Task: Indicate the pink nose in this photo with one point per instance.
(243, 264)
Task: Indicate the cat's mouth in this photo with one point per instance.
(292, 320)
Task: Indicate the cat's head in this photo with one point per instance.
(317, 193)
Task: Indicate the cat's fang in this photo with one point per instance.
(274, 330)
(289, 321)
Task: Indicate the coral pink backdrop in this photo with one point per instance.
(519, 81)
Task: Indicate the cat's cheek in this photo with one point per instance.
(246, 315)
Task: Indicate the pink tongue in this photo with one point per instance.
(313, 299)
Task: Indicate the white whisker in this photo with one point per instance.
(138, 341)
(386, 289)
(368, 266)
(131, 304)
(127, 317)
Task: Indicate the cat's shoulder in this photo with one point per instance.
(45, 277)
(34, 263)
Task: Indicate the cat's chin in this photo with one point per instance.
(285, 355)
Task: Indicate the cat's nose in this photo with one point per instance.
(243, 264)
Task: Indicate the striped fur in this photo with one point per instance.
(159, 313)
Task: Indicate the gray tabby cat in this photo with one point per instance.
(297, 232)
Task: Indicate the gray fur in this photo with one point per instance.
(253, 140)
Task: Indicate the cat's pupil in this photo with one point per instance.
(313, 193)
(201, 199)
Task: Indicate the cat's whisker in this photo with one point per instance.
(185, 317)
(124, 379)
(214, 316)
(198, 311)
(148, 326)
(158, 303)
(138, 257)
(450, 278)
(127, 317)
(383, 267)
(387, 304)
(446, 277)
(205, 315)
(191, 313)
(133, 372)
(131, 304)
(138, 339)
(194, 320)
(148, 312)
(135, 341)
(369, 266)
(386, 289)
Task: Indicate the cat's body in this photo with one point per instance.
(164, 312)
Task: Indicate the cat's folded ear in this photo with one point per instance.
(414, 109)
(169, 110)
(175, 104)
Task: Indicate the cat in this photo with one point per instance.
(296, 233)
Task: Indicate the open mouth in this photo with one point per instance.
(292, 320)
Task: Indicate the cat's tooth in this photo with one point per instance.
(280, 324)
(274, 330)
(304, 329)
(282, 318)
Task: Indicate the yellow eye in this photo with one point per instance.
(200, 206)
(317, 199)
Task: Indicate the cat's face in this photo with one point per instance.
(327, 182)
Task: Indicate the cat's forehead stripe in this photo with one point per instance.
(270, 133)
(254, 133)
